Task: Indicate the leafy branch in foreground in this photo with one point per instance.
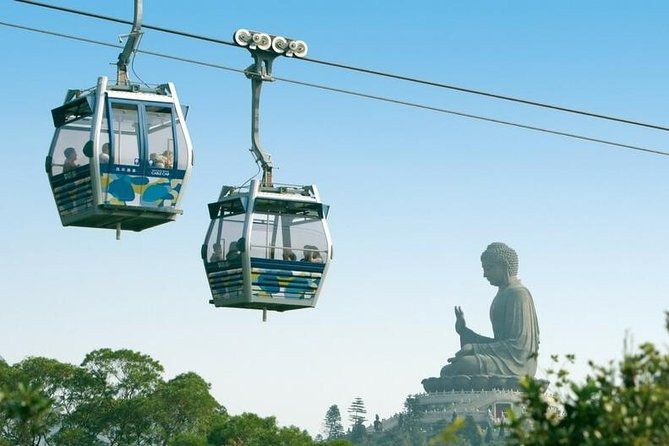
(624, 403)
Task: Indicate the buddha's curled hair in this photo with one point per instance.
(500, 252)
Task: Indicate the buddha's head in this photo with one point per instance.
(500, 263)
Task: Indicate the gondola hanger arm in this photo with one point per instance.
(131, 44)
(259, 72)
(264, 48)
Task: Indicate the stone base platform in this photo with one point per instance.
(463, 383)
(483, 405)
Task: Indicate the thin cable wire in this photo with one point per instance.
(130, 22)
(370, 71)
(471, 116)
(488, 94)
(359, 94)
(111, 45)
(252, 176)
(132, 63)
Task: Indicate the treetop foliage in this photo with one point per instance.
(623, 403)
(120, 398)
(332, 427)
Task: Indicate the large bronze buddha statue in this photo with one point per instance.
(497, 362)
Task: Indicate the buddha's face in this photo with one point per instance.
(495, 272)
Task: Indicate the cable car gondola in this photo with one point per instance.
(268, 246)
(121, 154)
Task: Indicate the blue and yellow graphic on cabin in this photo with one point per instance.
(227, 283)
(138, 190)
(284, 283)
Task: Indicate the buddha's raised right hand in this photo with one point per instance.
(460, 324)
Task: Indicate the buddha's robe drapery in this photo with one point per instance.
(513, 350)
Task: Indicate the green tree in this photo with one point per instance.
(35, 395)
(338, 442)
(124, 373)
(356, 415)
(67, 385)
(189, 439)
(26, 414)
(62, 385)
(624, 403)
(119, 398)
(251, 430)
(411, 415)
(488, 435)
(75, 436)
(357, 411)
(332, 427)
(119, 408)
(471, 432)
(182, 405)
(294, 436)
(358, 433)
(449, 435)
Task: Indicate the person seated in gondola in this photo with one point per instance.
(217, 255)
(104, 154)
(168, 157)
(234, 253)
(316, 257)
(157, 160)
(311, 254)
(70, 163)
(289, 255)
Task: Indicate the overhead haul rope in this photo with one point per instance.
(487, 94)
(356, 93)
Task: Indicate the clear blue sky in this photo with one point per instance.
(415, 195)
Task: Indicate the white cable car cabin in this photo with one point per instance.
(267, 248)
(120, 157)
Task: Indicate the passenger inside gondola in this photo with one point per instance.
(168, 156)
(157, 160)
(70, 163)
(234, 253)
(311, 254)
(289, 255)
(316, 257)
(217, 255)
(104, 155)
(163, 160)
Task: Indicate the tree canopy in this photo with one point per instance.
(623, 403)
(332, 427)
(120, 398)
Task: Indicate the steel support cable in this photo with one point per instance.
(129, 22)
(356, 93)
(370, 71)
(471, 116)
(111, 45)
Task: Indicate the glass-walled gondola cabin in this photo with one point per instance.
(120, 157)
(267, 247)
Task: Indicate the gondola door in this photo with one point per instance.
(161, 161)
(121, 177)
(144, 169)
